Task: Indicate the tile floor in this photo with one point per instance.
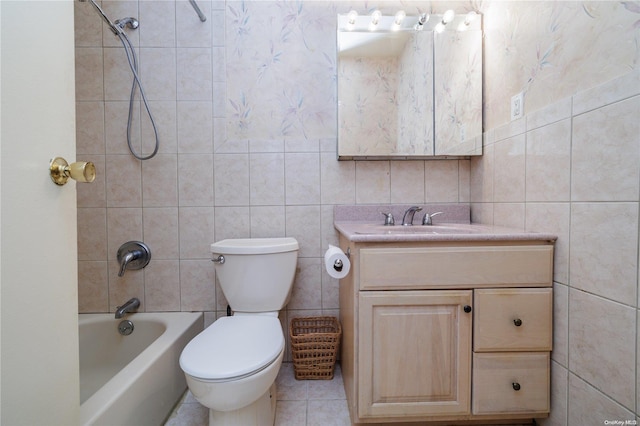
(300, 403)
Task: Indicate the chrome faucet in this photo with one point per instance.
(133, 255)
(426, 220)
(388, 219)
(130, 306)
(407, 219)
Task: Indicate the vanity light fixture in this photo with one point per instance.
(446, 18)
(464, 25)
(375, 19)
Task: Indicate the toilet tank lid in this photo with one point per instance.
(254, 245)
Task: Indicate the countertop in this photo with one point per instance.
(371, 232)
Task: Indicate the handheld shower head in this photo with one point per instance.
(129, 22)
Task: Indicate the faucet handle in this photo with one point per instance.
(133, 255)
(426, 220)
(388, 219)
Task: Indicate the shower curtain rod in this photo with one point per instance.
(198, 11)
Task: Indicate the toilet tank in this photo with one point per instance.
(257, 273)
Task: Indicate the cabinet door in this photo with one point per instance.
(414, 353)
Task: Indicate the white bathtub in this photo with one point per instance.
(135, 379)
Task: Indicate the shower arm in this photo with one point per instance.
(198, 11)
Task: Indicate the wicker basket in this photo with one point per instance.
(314, 344)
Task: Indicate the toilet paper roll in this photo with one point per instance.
(336, 262)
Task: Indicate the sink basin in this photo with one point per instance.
(370, 229)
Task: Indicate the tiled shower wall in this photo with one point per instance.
(245, 106)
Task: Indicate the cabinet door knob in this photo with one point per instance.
(517, 322)
(516, 386)
(467, 308)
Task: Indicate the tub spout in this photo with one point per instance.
(129, 306)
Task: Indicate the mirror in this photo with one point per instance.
(409, 87)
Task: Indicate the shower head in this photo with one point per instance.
(129, 22)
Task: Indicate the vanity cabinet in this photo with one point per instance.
(447, 331)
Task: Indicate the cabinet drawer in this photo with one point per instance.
(513, 319)
(511, 383)
(458, 267)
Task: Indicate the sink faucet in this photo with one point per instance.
(407, 219)
(129, 306)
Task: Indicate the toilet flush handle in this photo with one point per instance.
(219, 259)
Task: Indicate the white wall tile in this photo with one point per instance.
(302, 178)
(602, 352)
(605, 152)
(407, 182)
(266, 177)
(373, 183)
(548, 162)
(603, 259)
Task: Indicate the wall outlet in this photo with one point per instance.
(517, 106)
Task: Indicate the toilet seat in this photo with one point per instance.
(233, 347)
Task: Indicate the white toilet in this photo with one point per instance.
(232, 365)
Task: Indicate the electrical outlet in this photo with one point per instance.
(517, 106)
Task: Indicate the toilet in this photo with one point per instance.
(232, 365)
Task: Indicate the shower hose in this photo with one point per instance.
(133, 64)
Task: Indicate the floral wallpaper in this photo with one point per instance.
(281, 67)
(553, 49)
(458, 92)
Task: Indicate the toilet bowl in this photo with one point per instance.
(232, 365)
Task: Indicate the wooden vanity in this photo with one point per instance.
(447, 328)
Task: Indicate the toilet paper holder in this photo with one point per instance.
(337, 265)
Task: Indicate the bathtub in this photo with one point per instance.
(135, 379)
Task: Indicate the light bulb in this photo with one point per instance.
(464, 25)
(375, 18)
(471, 16)
(448, 16)
(421, 21)
(352, 16)
(400, 15)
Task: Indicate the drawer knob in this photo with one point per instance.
(517, 322)
(516, 386)
(467, 308)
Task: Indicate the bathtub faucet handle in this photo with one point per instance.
(133, 255)
(130, 306)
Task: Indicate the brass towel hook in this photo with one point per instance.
(61, 171)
